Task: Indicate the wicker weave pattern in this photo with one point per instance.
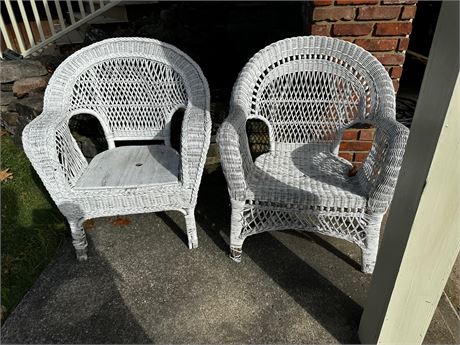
(152, 91)
(133, 86)
(308, 90)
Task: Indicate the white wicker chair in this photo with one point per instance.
(308, 90)
(133, 86)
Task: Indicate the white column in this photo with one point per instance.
(422, 237)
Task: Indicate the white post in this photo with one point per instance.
(59, 12)
(48, 16)
(82, 8)
(91, 6)
(17, 33)
(25, 20)
(5, 33)
(37, 20)
(71, 15)
(422, 237)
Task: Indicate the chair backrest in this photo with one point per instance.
(132, 85)
(309, 89)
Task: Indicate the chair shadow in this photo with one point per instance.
(340, 315)
(328, 246)
(173, 226)
(327, 304)
(70, 302)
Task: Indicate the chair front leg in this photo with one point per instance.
(190, 224)
(369, 254)
(79, 238)
(236, 240)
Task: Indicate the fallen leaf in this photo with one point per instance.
(120, 221)
(2, 132)
(89, 224)
(5, 175)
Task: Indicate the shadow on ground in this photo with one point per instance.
(74, 303)
(295, 276)
(141, 284)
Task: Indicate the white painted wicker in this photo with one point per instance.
(308, 90)
(133, 86)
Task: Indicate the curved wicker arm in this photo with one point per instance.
(195, 138)
(380, 171)
(234, 153)
(54, 154)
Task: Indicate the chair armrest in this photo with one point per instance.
(54, 154)
(195, 138)
(379, 173)
(234, 153)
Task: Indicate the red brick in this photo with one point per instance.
(396, 72)
(393, 2)
(356, 167)
(355, 146)
(378, 12)
(351, 29)
(346, 155)
(367, 134)
(403, 44)
(350, 134)
(390, 59)
(322, 30)
(393, 29)
(396, 84)
(376, 45)
(322, 2)
(360, 157)
(334, 13)
(356, 2)
(408, 12)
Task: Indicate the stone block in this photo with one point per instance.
(19, 69)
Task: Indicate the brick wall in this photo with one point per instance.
(355, 144)
(379, 26)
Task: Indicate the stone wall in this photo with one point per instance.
(23, 83)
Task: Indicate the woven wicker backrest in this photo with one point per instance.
(133, 86)
(308, 89)
(135, 95)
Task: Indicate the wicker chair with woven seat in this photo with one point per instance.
(133, 86)
(308, 90)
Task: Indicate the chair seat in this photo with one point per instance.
(309, 175)
(131, 166)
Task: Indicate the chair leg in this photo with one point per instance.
(79, 239)
(191, 228)
(236, 240)
(369, 254)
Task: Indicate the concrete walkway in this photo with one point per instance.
(142, 285)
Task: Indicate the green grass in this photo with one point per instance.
(32, 227)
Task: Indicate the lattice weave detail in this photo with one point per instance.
(132, 94)
(133, 86)
(310, 105)
(308, 90)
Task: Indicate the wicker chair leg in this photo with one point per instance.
(236, 240)
(191, 228)
(369, 254)
(79, 239)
